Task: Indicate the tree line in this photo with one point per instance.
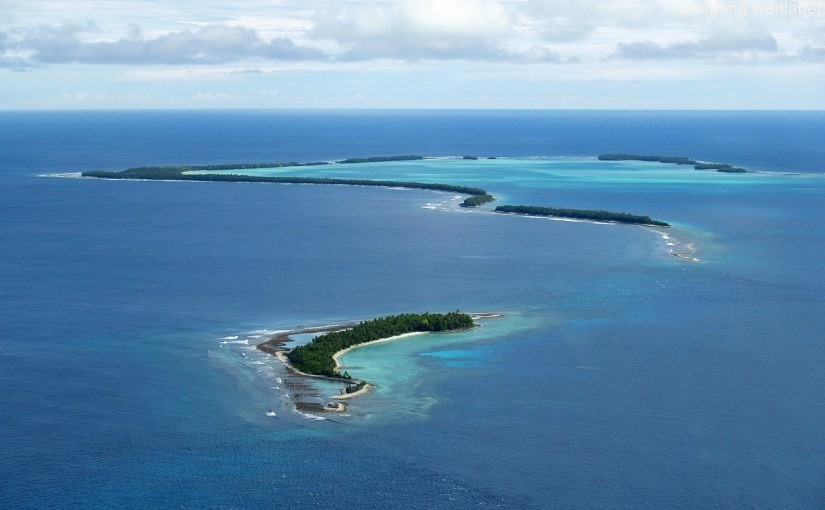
(582, 214)
(380, 159)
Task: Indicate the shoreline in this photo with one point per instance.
(582, 220)
(367, 386)
(340, 353)
(274, 344)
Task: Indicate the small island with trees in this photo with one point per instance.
(319, 357)
(477, 200)
(676, 160)
(316, 357)
(581, 214)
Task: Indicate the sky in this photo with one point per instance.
(467, 54)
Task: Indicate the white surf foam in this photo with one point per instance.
(269, 331)
(309, 416)
(235, 342)
(66, 175)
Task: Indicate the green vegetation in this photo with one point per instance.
(470, 157)
(352, 388)
(477, 200)
(171, 172)
(381, 159)
(581, 214)
(316, 356)
(176, 172)
(678, 160)
(720, 167)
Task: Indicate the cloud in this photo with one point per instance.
(812, 54)
(6, 60)
(417, 29)
(336, 32)
(9, 59)
(212, 96)
(723, 40)
(439, 19)
(573, 20)
(208, 45)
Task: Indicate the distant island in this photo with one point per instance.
(581, 214)
(677, 160)
(478, 196)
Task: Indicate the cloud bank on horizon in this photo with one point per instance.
(734, 54)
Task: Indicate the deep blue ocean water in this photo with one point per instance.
(621, 376)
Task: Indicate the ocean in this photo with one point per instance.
(620, 376)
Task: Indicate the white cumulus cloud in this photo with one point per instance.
(69, 42)
(417, 29)
(727, 37)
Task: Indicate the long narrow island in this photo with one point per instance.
(319, 357)
(477, 196)
(675, 160)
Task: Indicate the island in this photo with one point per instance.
(676, 160)
(380, 159)
(320, 357)
(477, 196)
(477, 200)
(581, 214)
(317, 357)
